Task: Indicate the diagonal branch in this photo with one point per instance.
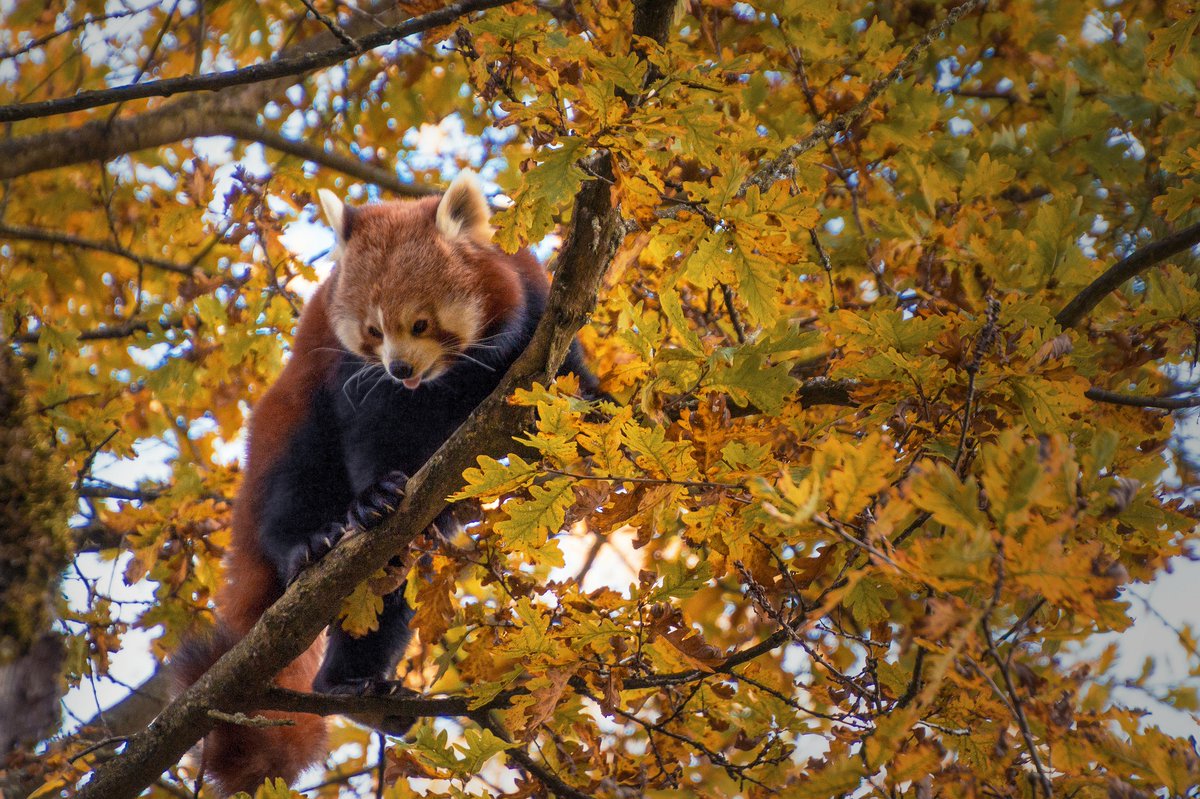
(518, 755)
(88, 19)
(1126, 268)
(256, 73)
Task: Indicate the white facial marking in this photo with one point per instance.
(348, 334)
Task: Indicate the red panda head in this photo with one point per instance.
(418, 282)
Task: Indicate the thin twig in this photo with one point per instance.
(836, 527)
(649, 480)
(106, 333)
(987, 337)
(115, 739)
(1017, 709)
(90, 19)
(337, 30)
(248, 129)
(518, 755)
(734, 318)
(827, 265)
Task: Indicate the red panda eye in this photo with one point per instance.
(420, 326)
(374, 332)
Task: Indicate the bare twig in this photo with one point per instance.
(89, 19)
(111, 740)
(987, 337)
(107, 333)
(331, 24)
(1017, 709)
(826, 264)
(734, 318)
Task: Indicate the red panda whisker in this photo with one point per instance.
(473, 360)
(357, 378)
(383, 375)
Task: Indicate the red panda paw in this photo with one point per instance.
(377, 502)
(316, 547)
(388, 724)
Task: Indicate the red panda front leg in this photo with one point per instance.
(367, 510)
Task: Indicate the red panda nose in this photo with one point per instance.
(399, 370)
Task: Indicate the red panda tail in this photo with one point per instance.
(240, 758)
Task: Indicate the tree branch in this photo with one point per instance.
(106, 333)
(519, 756)
(256, 73)
(1123, 270)
(88, 19)
(24, 233)
(247, 129)
(190, 116)
(1166, 403)
(275, 698)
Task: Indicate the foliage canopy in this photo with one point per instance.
(867, 500)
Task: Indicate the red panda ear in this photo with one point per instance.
(339, 215)
(463, 210)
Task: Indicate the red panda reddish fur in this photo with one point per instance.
(238, 757)
(312, 459)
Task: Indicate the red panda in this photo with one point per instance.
(416, 324)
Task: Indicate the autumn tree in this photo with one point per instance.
(896, 302)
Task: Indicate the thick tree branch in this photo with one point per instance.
(25, 233)
(291, 624)
(256, 73)
(1123, 270)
